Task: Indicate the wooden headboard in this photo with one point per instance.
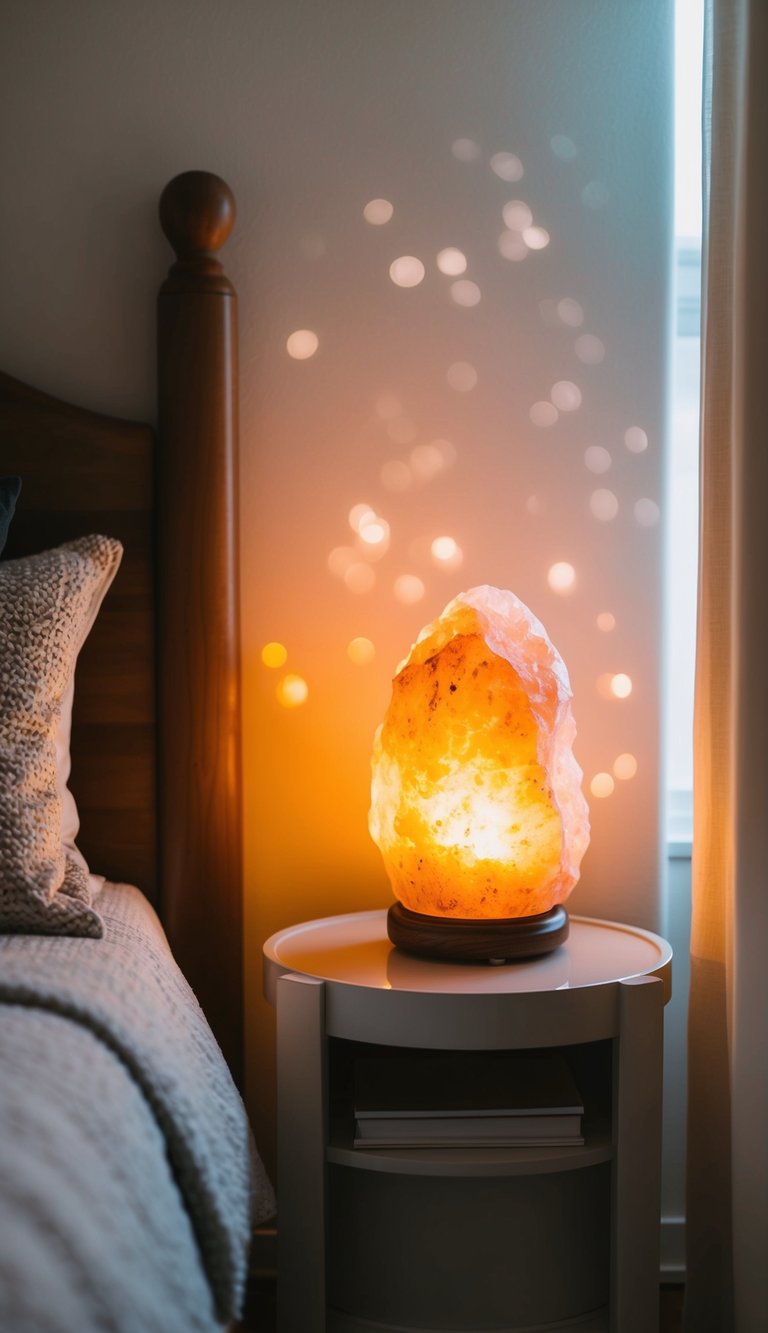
(156, 724)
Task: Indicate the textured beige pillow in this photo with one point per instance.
(48, 603)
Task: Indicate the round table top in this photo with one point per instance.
(354, 950)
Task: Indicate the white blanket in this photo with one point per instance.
(128, 1182)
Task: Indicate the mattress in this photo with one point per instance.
(128, 1179)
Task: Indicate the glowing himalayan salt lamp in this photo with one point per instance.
(476, 801)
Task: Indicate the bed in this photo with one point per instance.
(128, 1179)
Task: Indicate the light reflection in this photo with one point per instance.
(563, 147)
(274, 654)
(570, 312)
(407, 271)
(606, 621)
(465, 293)
(517, 215)
(543, 414)
(604, 505)
(465, 150)
(361, 651)
(597, 459)
(359, 578)
(512, 246)
(602, 785)
(589, 349)
(395, 476)
(292, 691)
(302, 344)
(378, 211)
(536, 238)
(625, 767)
(452, 262)
(647, 513)
(507, 166)
(566, 395)
(461, 376)
(561, 577)
(636, 440)
(408, 589)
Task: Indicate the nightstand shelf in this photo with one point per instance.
(509, 1239)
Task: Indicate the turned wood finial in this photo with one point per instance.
(197, 213)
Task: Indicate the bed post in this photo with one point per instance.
(198, 606)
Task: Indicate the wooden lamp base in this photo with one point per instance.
(477, 941)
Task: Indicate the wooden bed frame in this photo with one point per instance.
(156, 730)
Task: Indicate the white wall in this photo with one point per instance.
(310, 109)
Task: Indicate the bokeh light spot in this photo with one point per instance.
(274, 654)
(536, 238)
(452, 262)
(563, 147)
(360, 651)
(543, 414)
(426, 461)
(517, 215)
(602, 785)
(561, 577)
(647, 513)
(465, 293)
(595, 195)
(292, 691)
(507, 166)
(359, 578)
(512, 246)
(447, 552)
(409, 588)
(566, 395)
(604, 505)
(407, 271)
(621, 685)
(597, 459)
(606, 621)
(302, 344)
(625, 767)
(359, 514)
(401, 430)
(340, 558)
(378, 211)
(636, 440)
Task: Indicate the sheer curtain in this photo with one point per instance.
(727, 1208)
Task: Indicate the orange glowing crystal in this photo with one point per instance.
(476, 801)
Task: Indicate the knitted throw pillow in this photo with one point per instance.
(47, 605)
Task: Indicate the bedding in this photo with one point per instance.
(48, 603)
(128, 1179)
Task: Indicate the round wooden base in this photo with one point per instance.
(477, 941)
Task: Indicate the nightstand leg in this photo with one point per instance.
(636, 1209)
(301, 1147)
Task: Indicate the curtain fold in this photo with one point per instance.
(727, 1177)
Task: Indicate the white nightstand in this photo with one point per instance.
(471, 1238)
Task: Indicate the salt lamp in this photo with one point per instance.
(476, 801)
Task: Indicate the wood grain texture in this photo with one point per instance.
(198, 636)
(83, 472)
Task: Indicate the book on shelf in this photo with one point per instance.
(468, 1099)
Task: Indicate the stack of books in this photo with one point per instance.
(468, 1100)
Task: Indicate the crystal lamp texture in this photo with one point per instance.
(476, 803)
